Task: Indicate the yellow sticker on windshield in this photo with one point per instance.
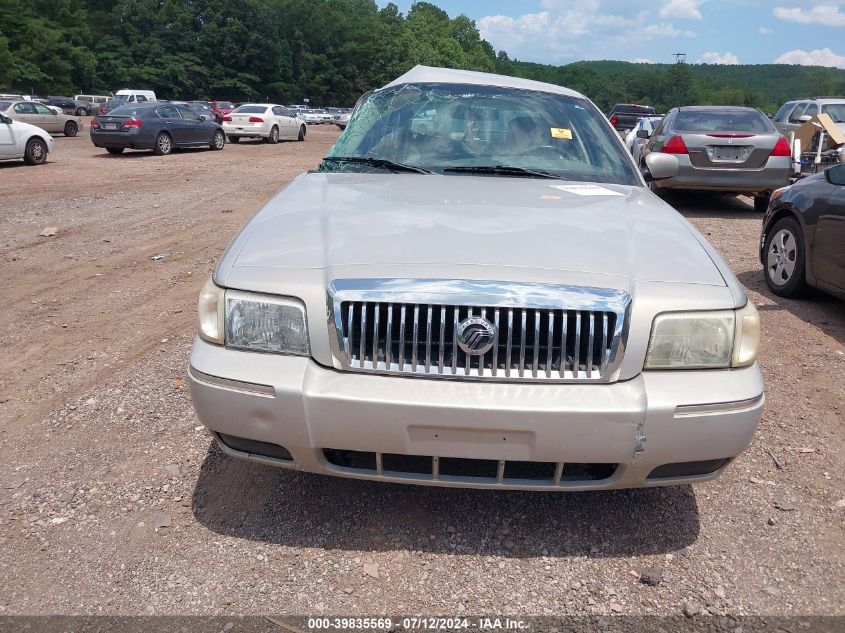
(562, 132)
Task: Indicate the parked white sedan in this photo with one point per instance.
(22, 140)
(268, 121)
(634, 141)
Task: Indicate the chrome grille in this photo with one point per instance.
(388, 333)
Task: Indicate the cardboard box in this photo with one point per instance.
(834, 137)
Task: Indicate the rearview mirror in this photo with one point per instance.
(660, 166)
(836, 175)
(643, 134)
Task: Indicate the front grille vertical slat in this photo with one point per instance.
(440, 347)
(530, 343)
(576, 351)
(509, 348)
(428, 340)
(402, 337)
(363, 342)
(376, 334)
(416, 335)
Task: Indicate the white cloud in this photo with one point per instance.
(664, 29)
(819, 57)
(682, 9)
(716, 58)
(641, 60)
(826, 14)
(764, 31)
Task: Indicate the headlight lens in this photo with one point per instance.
(691, 340)
(265, 323)
(210, 311)
(704, 340)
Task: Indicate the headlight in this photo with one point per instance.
(210, 311)
(704, 340)
(265, 323)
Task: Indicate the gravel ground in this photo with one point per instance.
(114, 501)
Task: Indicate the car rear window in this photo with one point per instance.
(724, 121)
(225, 104)
(129, 110)
(249, 110)
(836, 111)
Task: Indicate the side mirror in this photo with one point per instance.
(660, 166)
(643, 134)
(203, 117)
(4, 119)
(804, 118)
(836, 175)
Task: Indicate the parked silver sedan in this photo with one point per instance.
(722, 148)
(42, 116)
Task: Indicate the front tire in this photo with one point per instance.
(783, 259)
(163, 145)
(71, 128)
(35, 152)
(114, 150)
(81, 112)
(761, 203)
(218, 141)
(274, 136)
(301, 136)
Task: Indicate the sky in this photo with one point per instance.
(809, 32)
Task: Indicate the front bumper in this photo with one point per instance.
(636, 425)
(773, 175)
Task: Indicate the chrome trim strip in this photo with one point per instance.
(266, 391)
(685, 410)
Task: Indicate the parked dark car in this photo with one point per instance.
(624, 116)
(71, 106)
(803, 239)
(161, 127)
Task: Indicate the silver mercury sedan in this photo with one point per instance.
(723, 148)
(477, 288)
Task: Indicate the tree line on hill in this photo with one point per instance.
(329, 51)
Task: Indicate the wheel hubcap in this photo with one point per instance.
(218, 140)
(782, 256)
(164, 144)
(37, 151)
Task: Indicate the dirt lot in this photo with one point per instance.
(114, 501)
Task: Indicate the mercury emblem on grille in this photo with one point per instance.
(476, 335)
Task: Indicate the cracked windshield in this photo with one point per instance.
(468, 129)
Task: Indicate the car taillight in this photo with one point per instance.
(782, 148)
(227, 118)
(95, 123)
(675, 145)
(132, 123)
(256, 119)
(613, 120)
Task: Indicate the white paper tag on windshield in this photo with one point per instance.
(587, 190)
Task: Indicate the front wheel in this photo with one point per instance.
(274, 136)
(163, 145)
(35, 152)
(71, 128)
(783, 258)
(761, 203)
(301, 136)
(218, 141)
(114, 150)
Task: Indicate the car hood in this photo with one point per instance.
(499, 227)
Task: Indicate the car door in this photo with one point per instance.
(173, 123)
(794, 121)
(25, 111)
(50, 121)
(197, 130)
(828, 255)
(289, 123)
(8, 139)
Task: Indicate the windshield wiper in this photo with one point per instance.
(379, 162)
(502, 170)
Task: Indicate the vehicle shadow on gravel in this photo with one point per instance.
(817, 308)
(704, 204)
(250, 501)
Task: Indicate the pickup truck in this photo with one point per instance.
(624, 116)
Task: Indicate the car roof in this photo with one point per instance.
(716, 108)
(429, 74)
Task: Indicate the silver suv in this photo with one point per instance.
(794, 114)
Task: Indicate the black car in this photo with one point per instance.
(624, 116)
(161, 127)
(803, 238)
(71, 106)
